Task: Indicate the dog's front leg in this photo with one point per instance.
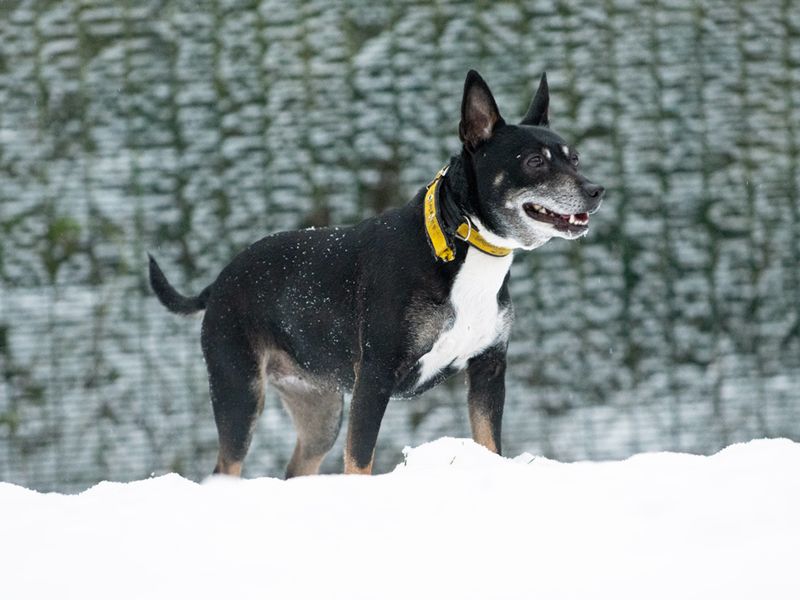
(487, 392)
(370, 397)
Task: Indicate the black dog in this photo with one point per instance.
(395, 304)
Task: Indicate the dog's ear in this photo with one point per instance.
(538, 111)
(479, 114)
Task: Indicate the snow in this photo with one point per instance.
(452, 521)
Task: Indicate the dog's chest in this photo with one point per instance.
(478, 322)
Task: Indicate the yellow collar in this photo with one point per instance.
(466, 231)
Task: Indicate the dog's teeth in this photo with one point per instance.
(572, 219)
(542, 210)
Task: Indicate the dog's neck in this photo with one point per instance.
(460, 196)
(459, 191)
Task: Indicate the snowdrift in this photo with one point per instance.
(451, 521)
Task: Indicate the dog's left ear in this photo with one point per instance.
(539, 110)
(479, 113)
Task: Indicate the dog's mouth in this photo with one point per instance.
(577, 223)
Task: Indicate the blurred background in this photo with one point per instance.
(191, 128)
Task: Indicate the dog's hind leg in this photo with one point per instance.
(317, 417)
(235, 376)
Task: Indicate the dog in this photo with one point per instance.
(395, 304)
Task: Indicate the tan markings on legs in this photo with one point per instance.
(352, 468)
(482, 430)
(233, 468)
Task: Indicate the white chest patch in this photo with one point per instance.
(478, 322)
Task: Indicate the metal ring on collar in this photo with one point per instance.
(469, 230)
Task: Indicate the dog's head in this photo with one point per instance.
(528, 185)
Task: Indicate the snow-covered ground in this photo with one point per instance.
(452, 521)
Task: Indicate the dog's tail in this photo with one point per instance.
(170, 297)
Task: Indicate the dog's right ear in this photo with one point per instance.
(539, 111)
(479, 113)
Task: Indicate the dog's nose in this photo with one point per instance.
(595, 194)
(594, 191)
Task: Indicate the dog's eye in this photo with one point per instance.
(534, 160)
(575, 158)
